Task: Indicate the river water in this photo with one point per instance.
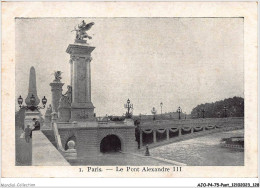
(202, 151)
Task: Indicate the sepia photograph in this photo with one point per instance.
(129, 91)
(135, 93)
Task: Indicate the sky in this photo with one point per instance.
(177, 61)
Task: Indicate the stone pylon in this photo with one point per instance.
(29, 115)
(56, 89)
(82, 108)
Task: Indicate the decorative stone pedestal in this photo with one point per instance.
(29, 115)
(71, 153)
(82, 108)
(64, 114)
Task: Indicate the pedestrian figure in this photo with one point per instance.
(27, 133)
(147, 153)
(37, 124)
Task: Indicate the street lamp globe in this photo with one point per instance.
(20, 100)
(44, 101)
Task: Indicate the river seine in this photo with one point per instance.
(203, 151)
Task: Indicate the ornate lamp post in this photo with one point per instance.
(203, 113)
(179, 110)
(32, 106)
(161, 104)
(225, 111)
(153, 111)
(128, 106)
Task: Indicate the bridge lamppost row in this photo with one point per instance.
(153, 111)
(128, 106)
(203, 113)
(225, 111)
(179, 110)
(161, 104)
(31, 107)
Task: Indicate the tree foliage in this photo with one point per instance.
(234, 108)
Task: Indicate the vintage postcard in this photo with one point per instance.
(124, 89)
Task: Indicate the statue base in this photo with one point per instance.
(80, 41)
(82, 112)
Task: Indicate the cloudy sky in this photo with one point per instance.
(178, 61)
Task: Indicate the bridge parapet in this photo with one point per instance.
(179, 128)
(190, 122)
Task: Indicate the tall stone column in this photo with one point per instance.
(56, 90)
(82, 108)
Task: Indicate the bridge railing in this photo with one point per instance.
(57, 136)
(179, 128)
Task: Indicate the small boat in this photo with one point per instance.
(233, 142)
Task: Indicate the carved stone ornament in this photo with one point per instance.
(83, 114)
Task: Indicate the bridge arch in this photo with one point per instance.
(111, 143)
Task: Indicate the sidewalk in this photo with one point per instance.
(23, 150)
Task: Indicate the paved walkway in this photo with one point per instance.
(44, 153)
(23, 150)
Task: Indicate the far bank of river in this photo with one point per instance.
(202, 151)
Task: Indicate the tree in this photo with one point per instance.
(234, 108)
